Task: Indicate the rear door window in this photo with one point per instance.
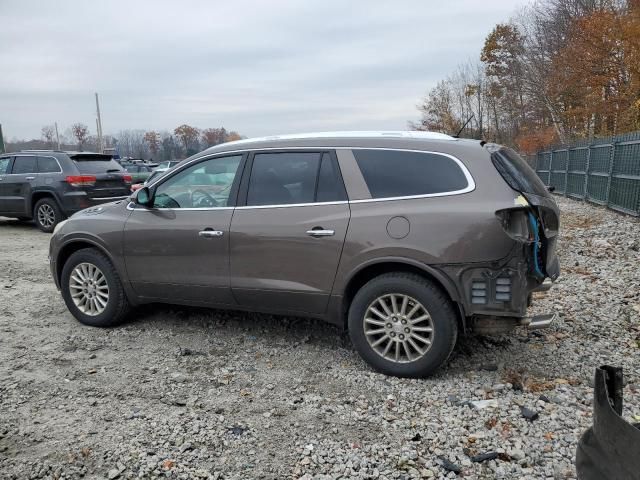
(95, 163)
(330, 185)
(401, 173)
(283, 178)
(24, 164)
(48, 165)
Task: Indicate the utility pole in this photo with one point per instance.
(99, 125)
(1, 140)
(57, 135)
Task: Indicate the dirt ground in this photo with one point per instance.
(192, 393)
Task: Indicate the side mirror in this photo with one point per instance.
(144, 197)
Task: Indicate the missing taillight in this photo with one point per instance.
(81, 180)
(515, 222)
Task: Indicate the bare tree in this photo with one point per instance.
(48, 132)
(80, 132)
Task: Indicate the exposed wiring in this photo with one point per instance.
(536, 246)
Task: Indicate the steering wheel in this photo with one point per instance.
(205, 200)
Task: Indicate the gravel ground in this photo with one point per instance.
(189, 393)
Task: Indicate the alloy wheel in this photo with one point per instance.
(398, 328)
(89, 289)
(46, 215)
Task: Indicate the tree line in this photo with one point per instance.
(184, 141)
(558, 71)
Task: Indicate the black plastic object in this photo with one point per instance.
(610, 449)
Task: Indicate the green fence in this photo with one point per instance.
(604, 171)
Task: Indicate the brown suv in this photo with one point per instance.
(407, 239)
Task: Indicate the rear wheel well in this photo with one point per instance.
(37, 196)
(377, 269)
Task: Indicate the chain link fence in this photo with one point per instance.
(605, 171)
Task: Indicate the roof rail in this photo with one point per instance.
(422, 135)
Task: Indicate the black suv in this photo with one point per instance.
(47, 185)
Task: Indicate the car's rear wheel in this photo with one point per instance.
(47, 214)
(92, 289)
(403, 325)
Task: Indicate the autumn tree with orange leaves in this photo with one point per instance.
(560, 71)
(152, 139)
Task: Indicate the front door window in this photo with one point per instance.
(204, 185)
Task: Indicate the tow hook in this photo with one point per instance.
(538, 322)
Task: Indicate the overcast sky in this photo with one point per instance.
(258, 67)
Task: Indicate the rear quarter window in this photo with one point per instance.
(47, 165)
(399, 173)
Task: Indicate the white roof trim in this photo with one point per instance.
(346, 134)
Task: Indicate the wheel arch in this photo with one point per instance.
(72, 246)
(38, 195)
(372, 269)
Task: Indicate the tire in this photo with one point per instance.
(47, 214)
(117, 305)
(411, 362)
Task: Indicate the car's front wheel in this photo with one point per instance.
(92, 289)
(47, 214)
(402, 325)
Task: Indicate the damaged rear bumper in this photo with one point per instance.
(484, 325)
(538, 322)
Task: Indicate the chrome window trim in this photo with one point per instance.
(119, 197)
(198, 209)
(471, 184)
(287, 205)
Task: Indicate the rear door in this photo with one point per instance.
(287, 238)
(19, 184)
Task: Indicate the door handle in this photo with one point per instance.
(320, 232)
(30, 178)
(210, 233)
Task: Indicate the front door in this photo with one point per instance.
(5, 163)
(287, 238)
(179, 248)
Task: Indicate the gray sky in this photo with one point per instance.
(258, 67)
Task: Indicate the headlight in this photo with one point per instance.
(59, 226)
